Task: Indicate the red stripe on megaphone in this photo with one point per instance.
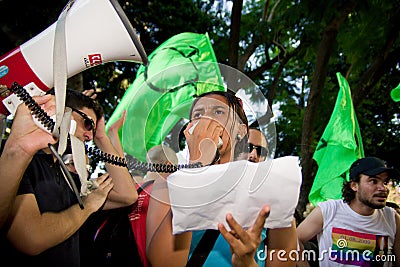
(15, 68)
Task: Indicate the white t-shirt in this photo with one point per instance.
(351, 239)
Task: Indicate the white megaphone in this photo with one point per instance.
(96, 31)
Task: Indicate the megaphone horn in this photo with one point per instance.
(96, 32)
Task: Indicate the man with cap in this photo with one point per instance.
(357, 230)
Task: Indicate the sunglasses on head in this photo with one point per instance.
(88, 122)
(260, 149)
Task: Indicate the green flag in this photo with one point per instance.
(339, 147)
(163, 91)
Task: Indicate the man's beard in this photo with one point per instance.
(372, 205)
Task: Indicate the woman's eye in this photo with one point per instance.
(219, 112)
(196, 115)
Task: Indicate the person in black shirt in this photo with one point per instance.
(46, 217)
(18, 151)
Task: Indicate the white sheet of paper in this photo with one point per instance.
(200, 198)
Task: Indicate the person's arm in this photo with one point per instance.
(113, 133)
(164, 249)
(124, 191)
(33, 232)
(19, 150)
(310, 227)
(281, 243)
(397, 240)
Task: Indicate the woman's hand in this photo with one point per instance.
(244, 243)
(203, 140)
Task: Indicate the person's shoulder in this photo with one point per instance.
(331, 206)
(331, 203)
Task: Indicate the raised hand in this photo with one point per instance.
(203, 139)
(244, 243)
(25, 133)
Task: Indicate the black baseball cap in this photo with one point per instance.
(371, 166)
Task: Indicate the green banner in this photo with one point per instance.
(162, 93)
(339, 146)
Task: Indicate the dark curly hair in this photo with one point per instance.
(348, 193)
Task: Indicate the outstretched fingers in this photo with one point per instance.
(260, 221)
(237, 231)
(244, 242)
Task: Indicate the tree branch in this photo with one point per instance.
(369, 78)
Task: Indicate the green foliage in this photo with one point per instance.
(379, 122)
(364, 34)
(293, 26)
(22, 21)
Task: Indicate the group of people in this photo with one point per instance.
(40, 217)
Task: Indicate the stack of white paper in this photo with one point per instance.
(201, 198)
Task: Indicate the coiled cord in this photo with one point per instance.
(99, 155)
(34, 107)
(166, 168)
(106, 157)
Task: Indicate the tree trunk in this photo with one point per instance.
(234, 36)
(318, 81)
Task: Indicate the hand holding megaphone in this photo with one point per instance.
(24, 95)
(24, 130)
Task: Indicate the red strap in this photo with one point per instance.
(137, 218)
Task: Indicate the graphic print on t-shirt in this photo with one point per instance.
(355, 248)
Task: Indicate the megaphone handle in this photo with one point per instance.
(67, 175)
(60, 68)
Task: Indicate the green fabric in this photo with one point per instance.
(339, 147)
(162, 93)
